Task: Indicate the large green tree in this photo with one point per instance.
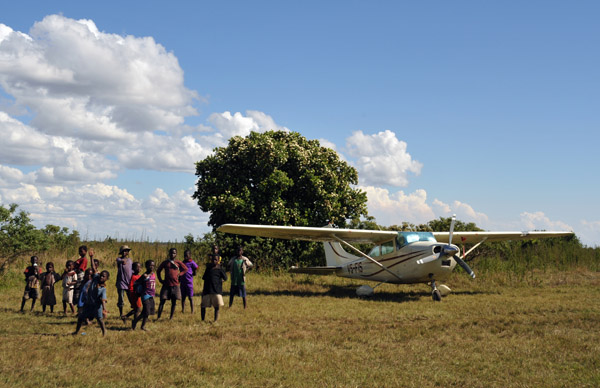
(277, 178)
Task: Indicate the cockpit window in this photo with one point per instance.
(405, 238)
(382, 249)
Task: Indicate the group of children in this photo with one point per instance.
(72, 281)
(86, 288)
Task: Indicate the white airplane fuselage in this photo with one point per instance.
(402, 263)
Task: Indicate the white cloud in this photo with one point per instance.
(463, 211)
(395, 208)
(98, 210)
(236, 124)
(381, 159)
(539, 221)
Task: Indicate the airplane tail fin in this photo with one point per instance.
(335, 255)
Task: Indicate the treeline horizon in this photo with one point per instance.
(19, 239)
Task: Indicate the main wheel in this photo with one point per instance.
(436, 295)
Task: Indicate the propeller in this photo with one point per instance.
(450, 250)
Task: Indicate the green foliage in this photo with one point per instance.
(18, 236)
(277, 178)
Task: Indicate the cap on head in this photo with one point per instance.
(123, 249)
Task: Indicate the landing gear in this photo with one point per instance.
(435, 293)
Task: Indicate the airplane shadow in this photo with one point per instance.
(350, 292)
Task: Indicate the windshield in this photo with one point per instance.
(405, 238)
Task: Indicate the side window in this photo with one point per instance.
(387, 247)
(375, 251)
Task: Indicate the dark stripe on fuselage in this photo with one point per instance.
(407, 256)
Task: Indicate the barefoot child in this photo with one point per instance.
(32, 283)
(187, 280)
(213, 287)
(94, 305)
(135, 300)
(69, 278)
(147, 283)
(48, 279)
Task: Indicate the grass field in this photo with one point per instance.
(542, 330)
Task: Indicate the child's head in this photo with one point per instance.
(104, 275)
(69, 265)
(172, 253)
(50, 267)
(215, 249)
(96, 263)
(83, 250)
(87, 275)
(150, 266)
(187, 255)
(135, 267)
(34, 260)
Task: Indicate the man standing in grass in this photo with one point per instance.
(123, 276)
(238, 266)
(170, 284)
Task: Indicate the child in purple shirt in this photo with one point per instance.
(186, 280)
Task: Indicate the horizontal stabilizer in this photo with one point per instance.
(315, 270)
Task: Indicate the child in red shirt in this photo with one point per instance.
(134, 299)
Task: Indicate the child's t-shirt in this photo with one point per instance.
(69, 277)
(188, 276)
(149, 287)
(134, 277)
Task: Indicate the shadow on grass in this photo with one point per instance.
(343, 292)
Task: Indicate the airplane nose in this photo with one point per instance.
(450, 250)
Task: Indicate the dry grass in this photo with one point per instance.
(496, 331)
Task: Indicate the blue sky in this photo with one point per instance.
(486, 110)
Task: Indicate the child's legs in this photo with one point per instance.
(216, 313)
(102, 326)
(183, 303)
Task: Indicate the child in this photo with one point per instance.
(48, 279)
(186, 280)
(79, 275)
(94, 305)
(213, 287)
(69, 278)
(134, 299)
(32, 282)
(148, 289)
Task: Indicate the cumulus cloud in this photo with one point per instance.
(381, 159)
(539, 221)
(463, 211)
(395, 208)
(98, 210)
(236, 124)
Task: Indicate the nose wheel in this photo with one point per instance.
(436, 295)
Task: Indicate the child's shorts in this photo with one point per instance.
(68, 295)
(212, 300)
(33, 293)
(134, 300)
(148, 307)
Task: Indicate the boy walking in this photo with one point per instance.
(147, 282)
(94, 305)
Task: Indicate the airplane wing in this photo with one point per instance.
(309, 233)
(475, 237)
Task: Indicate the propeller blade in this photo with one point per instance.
(427, 259)
(451, 229)
(464, 266)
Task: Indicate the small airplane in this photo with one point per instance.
(397, 257)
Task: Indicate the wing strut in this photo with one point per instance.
(474, 246)
(368, 257)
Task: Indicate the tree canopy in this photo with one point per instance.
(277, 178)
